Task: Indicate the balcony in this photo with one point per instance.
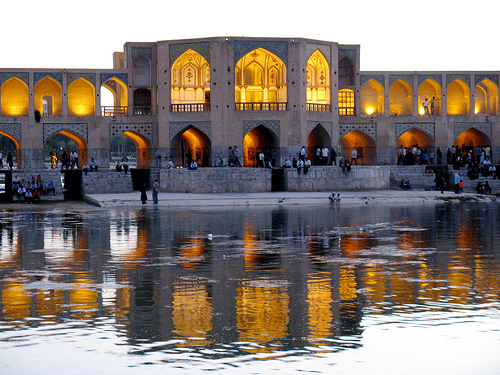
(142, 110)
(318, 107)
(190, 107)
(271, 106)
(113, 111)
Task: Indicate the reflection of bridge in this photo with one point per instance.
(193, 99)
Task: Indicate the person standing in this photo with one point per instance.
(236, 153)
(426, 107)
(10, 160)
(354, 156)
(144, 196)
(156, 189)
(457, 183)
(302, 153)
(1, 159)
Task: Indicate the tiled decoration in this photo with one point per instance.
(80, 129)
(21, 76)
(120, 76)
(351, 53)
(427, 127)
(492, 77)
(435, 77)
(405, 77)
(178, 49)
(451, 77)
(365, 78)
(327, 125)
(12, 129)
(369, 129)
(324, 49)
(484, 127)
(87, 76)
(146, 51)
(203, 126)
(144, 129)
(273, 125)
(241, 48)
(55, 76)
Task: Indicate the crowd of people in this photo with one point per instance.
(32, 190)
(67, 159)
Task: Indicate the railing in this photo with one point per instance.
(190, 107)
(273, 106)
(113, 111)
(142, 110)
(347, 111)
(318, 107)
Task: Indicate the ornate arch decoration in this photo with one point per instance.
(324, 49)
(370, 129)
(272, 125)
(143, 129)
(90, 77)
(5, 76)
(176, 50)
(122, 77)
(365, 78)
(179, 127)
(12, 130)
(327, 125)
(428, 128)
(79, 129)
(279, 48)
(55, 76)
(483, 127)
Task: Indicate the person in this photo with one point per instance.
(324, 155)
(36, 196)
(230, 157)
(334, 198)
(144, 196)
(118, 166)
(28, 196)
(1, 159)
(193, 166)
(460, 187)
(50, 187)
(21, 191)
(287, 163)
(354, 156)
(302, 153)
(157, 158)
(125, 165)
(236, 153)
(93, 165)
(10, 160)
(426, 107)
(307, 165)
(85, 168)
(300, 165)
(457, 182)
(334, 157)
(440, 182)
(170, 164)
(487, 188)
(75, 159)
(156, 189)
(433, 105)
(38, 116)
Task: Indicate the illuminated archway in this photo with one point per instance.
(400, 99)
(346, 102)
(80, 144)
(415, 138)
(372, 98)
(119, 104)
(471, 138)
(486, 98)
(143, 148)
(364, 145)
(317, 138)
(190, 80)
(458, 102)
(427, 90)
(260, 77)
(15, 153)
(258, 139)
(192, 144)
(15, 98)
(47, 87)
(81, 98)
(318, 79)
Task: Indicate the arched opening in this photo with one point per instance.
(372, 98)
(318, 79)
(458, 98)
(10, 144)
(486, 98)
(415, 143)
(346, 72)
(260, 77)
(471, 138)
(15, 98)
(67, 142)
(143, 148)
(259, 139)
(190, 83)
(192, 144)
(50, 91)
(142, 71)
(346, 102)
(81, 98)
(114, 98)
(142, 102)
(317, 140)
(366, 150)
(123, 148)
(400, 99)
(430, 90)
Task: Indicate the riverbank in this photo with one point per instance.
(393, 197)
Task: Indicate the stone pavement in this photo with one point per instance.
(390, 197)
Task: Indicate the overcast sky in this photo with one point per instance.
(393, 34)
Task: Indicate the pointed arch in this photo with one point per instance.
(458, 98)
(141, 68)
(259, 139)
(401, 98)
(18, 147)
(48, 90)
(486, 98)
(471, 138)
(429, 89)
(364, 145)
(372, 98)
(414, 139)
(191, 144)
(318, 138)
(80, 142)
(15, 98)
(81, 98)
(120, 97)
(318, 79)
(346, 72)
(143, 147)
(260, 77)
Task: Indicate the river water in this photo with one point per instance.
(288, 290)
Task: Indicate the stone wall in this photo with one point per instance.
(106, 181)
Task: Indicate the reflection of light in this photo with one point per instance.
(370, 110)
(320, 313)
(476, 110)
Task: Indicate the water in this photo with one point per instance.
(403, 290)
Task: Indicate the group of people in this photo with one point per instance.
(124, 165)
(32, 190)
(9, 160)
(233, 156)
(144, 189)
(415, 155)
(266, 158)
(432, 104)
(67, 159)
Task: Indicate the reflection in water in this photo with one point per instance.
(244, 284)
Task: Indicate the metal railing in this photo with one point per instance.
(318, 107)
(113, 111)
(271, 106)
(142, 110)
(190, 107)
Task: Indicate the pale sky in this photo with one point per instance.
(393, 34)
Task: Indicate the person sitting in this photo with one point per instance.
(28, 196)
(170, 164)
(36, 196)
(487, 188)
(307, 165)
(93, 165)
(300, 165)
(21, 191)
(480, 188)
(50, 187)
(287, 163)
(193, 166)
(405, 184)
(118, 166)
(85, 168)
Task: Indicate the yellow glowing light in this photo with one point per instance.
(421, 111)
(476, 110)
(370, 111)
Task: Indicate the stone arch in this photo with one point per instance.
(18, 148)
(260, 138)
(400, 98)
(141, 69)
(458, 98)
(318, 79)
(260, 77)
(191, 144)
(80, 143)
(372, 98)
(15, 98)
(415, 138)
(142, 102)
(427, 90)
(364, 144)
(346, 72)
(471, 138)
(81, 98)
(48, 88)
(190, 79)
(120, 97)
(143, 147)
(318, 137)
(486, 98)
